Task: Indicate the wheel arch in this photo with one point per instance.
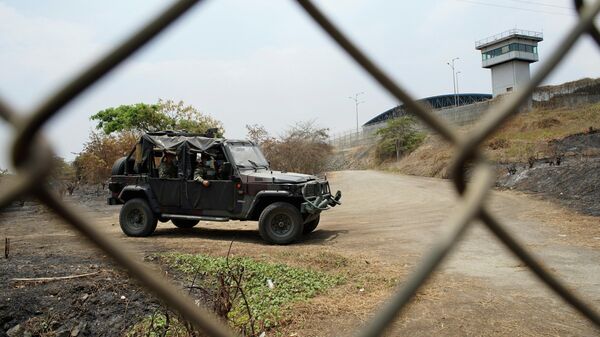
(133, 192)
(262, 201)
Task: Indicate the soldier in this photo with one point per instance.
(204, 170)
(167, 167)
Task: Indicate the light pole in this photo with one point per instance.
(451, 64)
(457, 91)
(356, 103)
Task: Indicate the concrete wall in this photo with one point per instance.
(457, 116)
(569, 100)
(584, 86)
(466, 114)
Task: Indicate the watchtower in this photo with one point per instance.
(508, 55)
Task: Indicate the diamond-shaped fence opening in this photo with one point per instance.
(31, 154)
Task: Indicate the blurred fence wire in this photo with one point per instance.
(31, 155)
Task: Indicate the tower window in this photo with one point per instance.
(508, 48)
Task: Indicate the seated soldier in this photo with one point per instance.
(167, 167)
(204, 170)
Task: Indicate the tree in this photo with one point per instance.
(302, 148)
(63, 178)
(93, 165)
(164, 115)
(398, 137)
(257, 133)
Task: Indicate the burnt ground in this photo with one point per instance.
(573, 181)
(103, 304)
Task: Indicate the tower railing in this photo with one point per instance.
(510, 32)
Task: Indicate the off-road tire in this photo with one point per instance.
(136, 218)
(184, 223)
(311, 225)
(280, 223)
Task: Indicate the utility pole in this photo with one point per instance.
(356, 104)
(457, 91)
(451, 64)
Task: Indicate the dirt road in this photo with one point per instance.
(389, 221)
(396, 218)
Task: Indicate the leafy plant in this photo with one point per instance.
(266, 304)
(160, 325)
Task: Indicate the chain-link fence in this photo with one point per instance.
(31, 156)
(351, 138)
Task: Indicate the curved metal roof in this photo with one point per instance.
(435, 102)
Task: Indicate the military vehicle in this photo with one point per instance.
(240, 186)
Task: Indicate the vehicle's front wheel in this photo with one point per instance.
(311, 225)
(184, 223)
(136, 218)
(280, 223)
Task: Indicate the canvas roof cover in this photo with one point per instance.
(174, 142)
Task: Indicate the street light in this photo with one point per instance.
(457, 91)
(356, 103)
(451, 64)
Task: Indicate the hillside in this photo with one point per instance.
(553, 152)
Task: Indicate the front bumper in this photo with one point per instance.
(317, 198)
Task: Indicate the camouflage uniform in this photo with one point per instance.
(167, 170)
(203, 172)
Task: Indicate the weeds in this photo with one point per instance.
(253, 296)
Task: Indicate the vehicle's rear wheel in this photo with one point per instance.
(184, 223)
(280, 223)
(136, 218)
(311, 225)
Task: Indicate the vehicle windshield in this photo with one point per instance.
(247, 155)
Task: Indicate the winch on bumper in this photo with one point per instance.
(317, 197)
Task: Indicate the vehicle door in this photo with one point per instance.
(219, 194)
(167, 190)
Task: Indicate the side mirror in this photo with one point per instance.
(226, 170)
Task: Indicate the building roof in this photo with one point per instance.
(435, 102)
(525, 34)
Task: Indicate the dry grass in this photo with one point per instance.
(431, 159)
(527, 134)
(524, 136)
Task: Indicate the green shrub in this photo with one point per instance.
(398, 138)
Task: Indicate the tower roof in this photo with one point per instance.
(509, 34)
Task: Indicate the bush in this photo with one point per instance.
(302, 148)
(94, 164)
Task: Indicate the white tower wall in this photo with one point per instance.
(508, 77)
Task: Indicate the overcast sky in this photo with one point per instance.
(264, 62)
